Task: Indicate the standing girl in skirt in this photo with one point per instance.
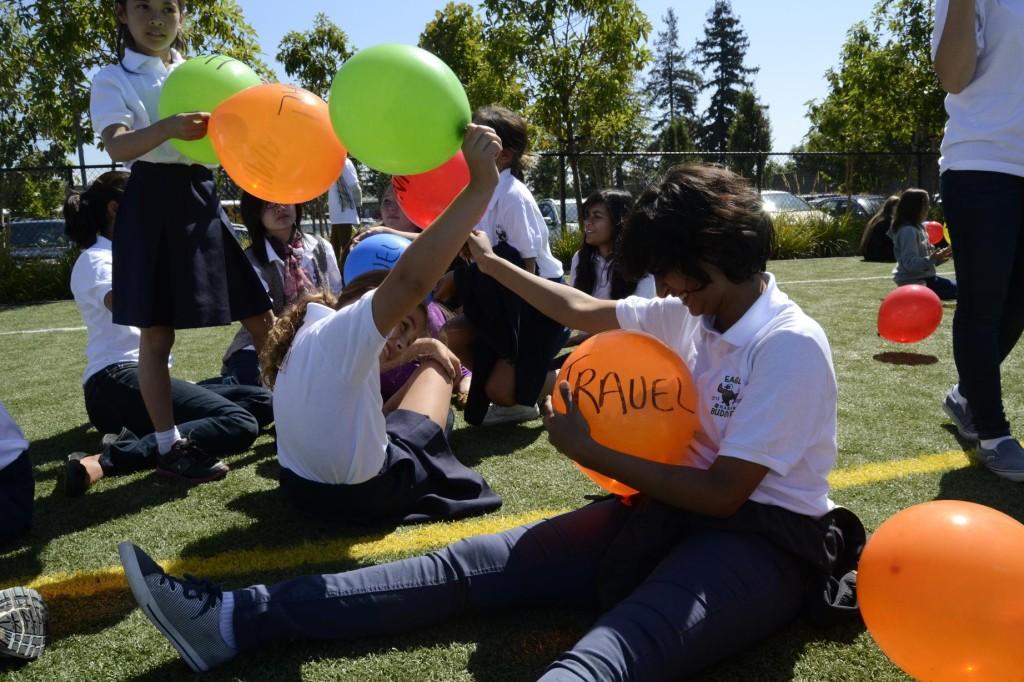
(339, 454)
(176, 262)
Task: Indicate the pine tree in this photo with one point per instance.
(672, 84)
(722, 51)
(749, 131)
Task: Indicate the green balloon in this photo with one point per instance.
(398, 109)
(200, 84)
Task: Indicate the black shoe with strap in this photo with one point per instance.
(189, 463)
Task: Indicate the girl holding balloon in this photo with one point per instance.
(915, 257)
(291, 264)
(176, 262)
(708, 559)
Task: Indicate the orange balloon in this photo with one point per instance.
(277, 143)
(637, 396)
(941, 589)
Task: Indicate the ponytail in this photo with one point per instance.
(85, 214)
(511, 128)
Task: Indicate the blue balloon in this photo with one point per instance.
(379, 252)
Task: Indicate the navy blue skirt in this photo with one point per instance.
(176, 260)
(421, 480)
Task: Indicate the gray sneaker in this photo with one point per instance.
(1005, 459)
(961, 417)
(513, 414)
(22, 623)
(187, 611)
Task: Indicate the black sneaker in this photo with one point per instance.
(76, 478)
(187, 462)
(186, 611)
(22, 623)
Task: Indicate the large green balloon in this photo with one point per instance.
(398, 109)
(200, 84)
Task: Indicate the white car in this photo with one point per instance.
(791, 207)
(551, 209)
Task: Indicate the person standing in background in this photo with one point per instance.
(343, 201)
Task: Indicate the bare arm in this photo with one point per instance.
(427, 258)
(561, 303)
(718, 491)
(957, 55)
(124, 144)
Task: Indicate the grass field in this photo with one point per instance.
(896, 449)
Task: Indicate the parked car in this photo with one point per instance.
(859, 206)
(38, 238)
(551, 209)
(779, 203)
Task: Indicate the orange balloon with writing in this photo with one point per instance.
(277, 143)
(941, 589)
(637, 397)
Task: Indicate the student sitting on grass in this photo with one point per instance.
(708, 560)
(875, 244)
(916, 258)
(340, 455)
(22, 611)
(290, 264)
(218, 418)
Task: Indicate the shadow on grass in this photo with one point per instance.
(472, 444)
(904, 358)
(978, 484)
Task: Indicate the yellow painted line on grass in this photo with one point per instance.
(414, 540)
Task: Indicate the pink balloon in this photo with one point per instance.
(909, 314)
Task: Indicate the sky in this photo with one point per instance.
(792, 41)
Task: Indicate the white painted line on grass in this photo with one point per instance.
(44, 331)
(845, 279)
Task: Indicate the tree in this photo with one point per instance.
(314, 56)
(457, 35)
(749, 131)
(671, 83)
(883, 97)
(722, 51)
(580, 59)
(66, 40)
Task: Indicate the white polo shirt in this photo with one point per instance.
(327, 404)
(345, 215)
(985, 130)
(767, 391)
(12, 440)
(645, 288)
(129, 93)
(91, 280)
(513, 216)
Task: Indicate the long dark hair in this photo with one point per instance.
(882, 217)
(908, 208)
(511, 128)
(85, 213)
(618, 202)
(124, 36)
(251, 208)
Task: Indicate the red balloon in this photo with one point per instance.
(425, 196)
(935, 231)
(909, 314)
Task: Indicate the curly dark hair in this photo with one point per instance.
(85, 213)
(618, 202)
(698, 215)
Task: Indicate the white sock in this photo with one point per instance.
(990, 443)
(226, 623)
(166, 439)
(955, 392)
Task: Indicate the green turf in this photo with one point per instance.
(889, 409)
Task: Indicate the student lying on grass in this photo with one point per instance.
(703, 563)
(218, 418)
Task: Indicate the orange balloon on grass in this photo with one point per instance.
(636, 395)
(277, 143)
(941, 589)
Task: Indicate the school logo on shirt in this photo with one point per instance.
(500, 233)
(724, 404)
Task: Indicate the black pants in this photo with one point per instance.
(985, 212)
(17, 490)
(219, 418)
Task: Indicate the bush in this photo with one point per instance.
(565, 245)
(815, 237)
(35, 279)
